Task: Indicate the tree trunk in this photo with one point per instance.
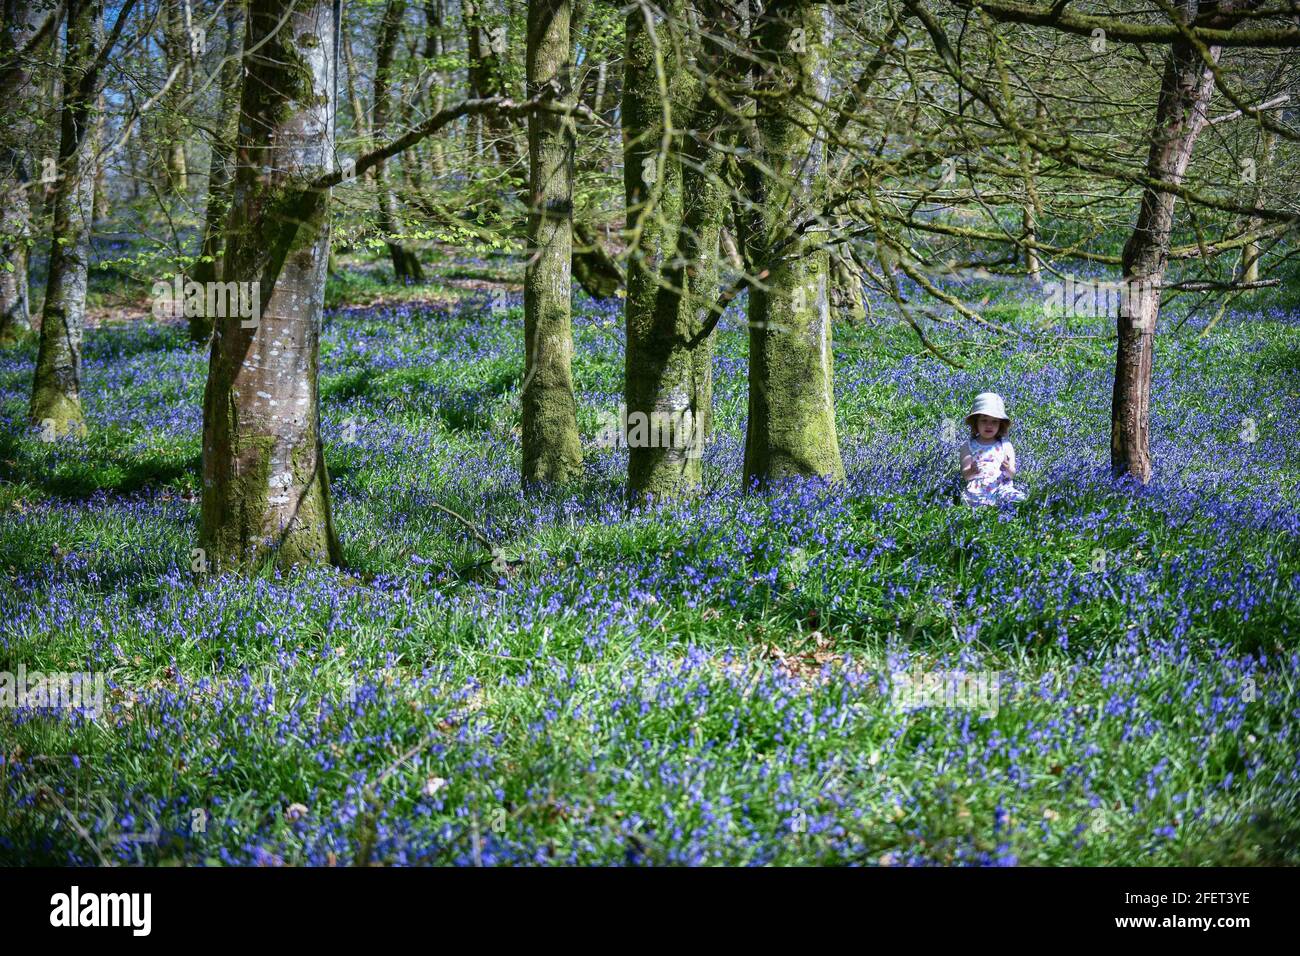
(56, 388)
(593, 267)
(791, 400)
(1033, 268)
(846, 288)
(1029, 219)
(1250, 252)
(176, 46)
(487, 44)
(406, 265)
(265, 485)
(100, 203)
(551, 449)
(221, 168)
(674, 208)
(434, 19)
(1180, 115)
(21, 21)
(360, 125)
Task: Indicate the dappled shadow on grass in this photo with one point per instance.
(350, 385)
(409, 392)
(502, 513)
(136, 580)
(1267, 837)
(115, 342)
(95, 469)
(1280, 359)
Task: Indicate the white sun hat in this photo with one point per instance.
(990, 404)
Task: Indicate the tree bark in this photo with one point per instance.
(359, 117)
(1250, 252)
(21, 21)
(674, 208)
(593, 266)
(221, 168)
(265, 485)
(487, 78)
(791, 427)
(406, 265)
(56, 388)
(100, 204)
(1180, 115)
(1029, 219)
(551, 449)
(435, 13)
(846, 288)
(176, 46)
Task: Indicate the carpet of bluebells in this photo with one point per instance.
(698, 682)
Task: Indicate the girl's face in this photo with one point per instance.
(987, 427)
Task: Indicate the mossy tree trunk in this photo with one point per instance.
(791, 400)
(56, 389)
(551, 449)
(488, 43)
(22, 18)
(220, 168)
(593, 267)
(265, 485)
(406, 265)
(846, 287)
(675, 206)
(360, 119)
(172, 120)
(1250, 252)
(1180, 116)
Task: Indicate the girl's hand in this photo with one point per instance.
(1008, 468)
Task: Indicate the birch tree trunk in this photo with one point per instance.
(56, 388)
(22, 19)
(265, 485)
(791, 401)
(221, 168)
(1180, 116)
(551, 449)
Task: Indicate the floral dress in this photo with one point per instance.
(990, 486)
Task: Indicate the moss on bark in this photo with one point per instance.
(552, 452)
(675, 208)
(56, 386)
(791, 398)
(265, 483)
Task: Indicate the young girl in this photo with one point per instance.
(988, 462)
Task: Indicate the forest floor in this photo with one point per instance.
(721, 680)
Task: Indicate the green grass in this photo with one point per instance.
(703, 683)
